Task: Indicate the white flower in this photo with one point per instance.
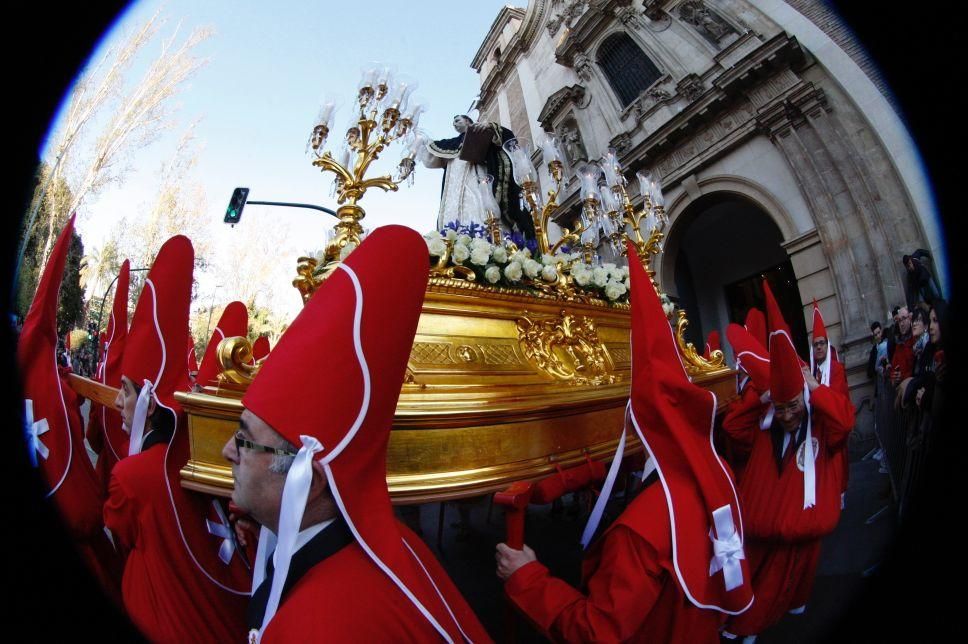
(513, 271)
(582, 276)
(480, 242)
(436, 247)
(549, 273)
(599, 276)
(460, 253)
(451, 234)
(492, 274)
(480, 255)
(609, 266)
(432, 234)
(614, 290)
(531, 268)
(346, 250)
(521, 255)
(500, 255)
(549, 260)
(464, 239)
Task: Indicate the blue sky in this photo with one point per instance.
(269, 65)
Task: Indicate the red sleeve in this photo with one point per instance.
(621, 593)
(742, 419)
(903, 360)
(94, 432)
(836, 412)
(121, 515)
(838, 379)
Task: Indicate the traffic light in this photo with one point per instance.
(234, 212)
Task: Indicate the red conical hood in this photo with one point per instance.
(756, 325)
(674, 419)
(261, 348)
(155, 349)
(117, 332)
(192, 359)
(334, 377)
(234, 322)
(774, 317)
(754, 359)
(117, 336)
(786, 378)
(712, 344)
(819, 330)
(53, 424)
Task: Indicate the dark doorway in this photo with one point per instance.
(746, 293)
(717, 248)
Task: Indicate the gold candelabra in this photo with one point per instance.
(606, 208)
(383, 113)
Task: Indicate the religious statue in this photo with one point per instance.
(467, 157)
(574, 147)
(706, 21)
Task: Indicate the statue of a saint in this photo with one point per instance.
(467, 157)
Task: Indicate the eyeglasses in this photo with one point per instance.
(241, 442)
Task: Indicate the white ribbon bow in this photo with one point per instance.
(267, 544)
(596, 515)
(294, 495)
(727, 548)
(223, 530)
(140, 416)
(35, 429)
(809, 468)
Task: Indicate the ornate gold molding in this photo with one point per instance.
(695, 364)
(567, 348)
(235, 358)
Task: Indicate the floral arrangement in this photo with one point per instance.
(516, 263)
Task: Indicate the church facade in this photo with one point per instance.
(777, 144)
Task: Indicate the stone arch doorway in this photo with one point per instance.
(717, 253)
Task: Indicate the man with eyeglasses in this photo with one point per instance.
(790, 489)
(309, 465)
(902, 361)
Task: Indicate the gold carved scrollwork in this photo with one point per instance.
(695, 364)
(567, 348)
(305, 281)
(235, 359)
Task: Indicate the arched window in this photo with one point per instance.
(627, 68)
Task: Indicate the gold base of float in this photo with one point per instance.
(501, 386)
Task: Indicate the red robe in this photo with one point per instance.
(903, 359)
(631, 592)
(838, 382)
(164, 592)
(743, 412)
(782, 538)
(345, 597)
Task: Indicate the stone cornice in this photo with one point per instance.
(557, 102)
(599, 16)
(504, 16)
(777, 53)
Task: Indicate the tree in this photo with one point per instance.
(70, 307)
(58, 192)
(138, 118)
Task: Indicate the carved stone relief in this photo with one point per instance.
(707, 23)
(630, 17)
(703, 140)
(691, 87)
(650, 98)
(571, 139)
(567, 13)
(582, 64)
